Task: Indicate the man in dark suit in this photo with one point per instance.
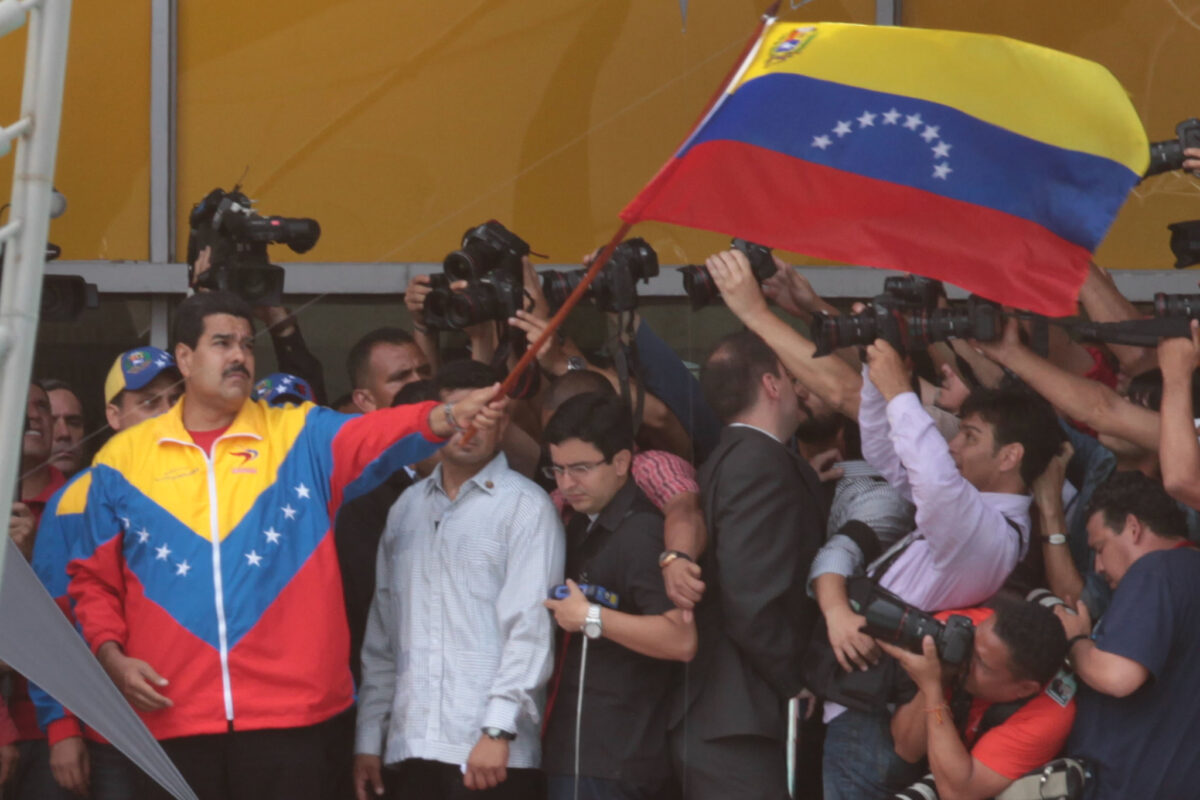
(762, 505)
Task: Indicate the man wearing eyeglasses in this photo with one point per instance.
(617, 748)
(457, 650)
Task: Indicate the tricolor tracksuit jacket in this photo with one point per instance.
(221, 572)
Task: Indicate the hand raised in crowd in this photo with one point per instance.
(1008, 342)
(539, 306)
(1191, 158)
(9, 756)
(22, 527)
(681, 579)
(887, 369)
(70, 765)
(202, 265)
(571, 612)
(487, 765)
(925, 668)
(368, 775)
(1047, 487)
(1178, 356)
(414, 297)
(825, 465)
(135, 678)
(552, 357)
(952, 393)
(790, 290)
(851, 646)
(730, 271)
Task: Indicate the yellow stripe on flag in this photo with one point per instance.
(1043, 94)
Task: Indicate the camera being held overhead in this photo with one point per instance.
(238, 236)
(698, 283)
(615, 288)
(490, 261)
(1168, 156)
(907, 317)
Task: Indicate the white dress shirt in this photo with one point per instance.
(457, 638)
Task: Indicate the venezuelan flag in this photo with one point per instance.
(986, 162)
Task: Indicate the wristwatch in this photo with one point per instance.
(667, 556)
(593, 626)
(1055, 538)
(575, 364)
(499, 733)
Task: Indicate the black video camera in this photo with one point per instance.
(907, 317)
(615, 288)
(892, 620)
(238, 236)
(1168, 156)
(698, 283)
(490, 261)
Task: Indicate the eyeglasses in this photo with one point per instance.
(574, 470)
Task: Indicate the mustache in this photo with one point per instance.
(236, 368)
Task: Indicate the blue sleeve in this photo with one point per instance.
(666, 377)
(1140, 622)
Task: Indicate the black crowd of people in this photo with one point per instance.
(848, 576)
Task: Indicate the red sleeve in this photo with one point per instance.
(367, 449)
(662, 476)
(63, 728)
(8, 729)
(97, 588)
(1028, 739)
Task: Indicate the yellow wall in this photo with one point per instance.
(398, 124)
(104, 145)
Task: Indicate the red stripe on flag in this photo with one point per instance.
(776, 200)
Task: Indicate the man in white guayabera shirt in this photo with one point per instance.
(459, 647)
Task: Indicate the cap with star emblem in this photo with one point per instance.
(134, 369)
(279, 388)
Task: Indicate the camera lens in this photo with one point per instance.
(557, 286)
(477, 303)
(300, 234)
(1177, 305)
(699, 286)
(831, 333)
(1165, 157)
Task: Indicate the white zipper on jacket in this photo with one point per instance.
(218, 587)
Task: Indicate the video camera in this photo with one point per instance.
(892, 620)
(1168, 156)
(698, 283)
(490, 261)
(615, 288)
(238, 236)
(907, 317)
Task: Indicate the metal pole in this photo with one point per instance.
(33, 176)
(162, 130)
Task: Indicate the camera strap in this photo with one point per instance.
(626, 361)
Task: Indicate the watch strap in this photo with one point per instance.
(667, 556)
(1055, 538)
(499, 733)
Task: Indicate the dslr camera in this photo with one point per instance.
(698, 283)
(615, 288)
(892, 620)
(490, 261)
(907, 317)
(238, 236)
(1168, 156)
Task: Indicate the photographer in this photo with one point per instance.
(1139, 713)
(1179, 450)
(972, 527)
(1001, 718)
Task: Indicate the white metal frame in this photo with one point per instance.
(25, 233)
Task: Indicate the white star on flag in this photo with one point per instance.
(890, 117)
(842, 129)
(254, 558)
(821, 142)
(301, 491)
(288, 511)
(867, 120)
(931, 133)
(941, 171)
(182, 568)
(942, 150)
(912, 121)
(272, 535)
(143, 535)
(163, 552)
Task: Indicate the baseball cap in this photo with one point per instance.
(280, 387)
(134, 369)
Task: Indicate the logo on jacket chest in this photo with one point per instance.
(243, 467)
